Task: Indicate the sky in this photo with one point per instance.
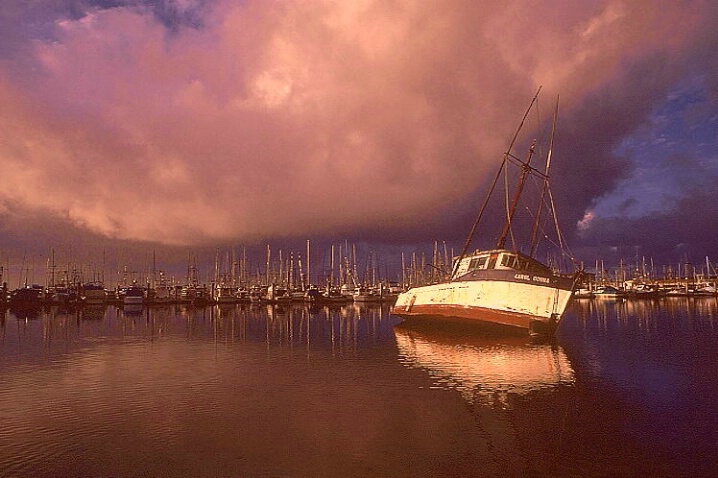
(131, 126)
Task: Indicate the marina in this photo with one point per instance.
(282, 280)
(624, 283)
(627, 387)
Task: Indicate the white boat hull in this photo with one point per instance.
(512, 303)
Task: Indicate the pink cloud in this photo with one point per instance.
(298, 118)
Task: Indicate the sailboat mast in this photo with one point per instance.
(154, 269)
(525, 170)
(309, 277)
(269, 257)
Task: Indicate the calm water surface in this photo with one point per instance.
(626, 389)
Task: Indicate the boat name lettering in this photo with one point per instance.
(527, 277)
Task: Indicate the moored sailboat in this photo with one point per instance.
(501, 285)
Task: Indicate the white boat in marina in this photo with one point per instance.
(133, 295)
(161, 291)
(608, 292)
(583, 293)
(502, 285)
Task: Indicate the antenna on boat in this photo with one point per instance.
(507, 155)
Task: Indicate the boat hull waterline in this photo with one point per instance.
(506, 297)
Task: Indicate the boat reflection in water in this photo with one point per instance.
(488, 369)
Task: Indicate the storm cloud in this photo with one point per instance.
(193, 122)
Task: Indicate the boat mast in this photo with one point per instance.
(534, 236)
(309, 277)
(525, 170)
(507, 155)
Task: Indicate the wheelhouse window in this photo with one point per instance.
(509, 260)
(478, 263)
(492, 260)
(523, 264)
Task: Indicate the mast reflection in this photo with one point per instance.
(647, 316)
(341, 329)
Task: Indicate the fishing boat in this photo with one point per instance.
(502, 285)
(160, 291)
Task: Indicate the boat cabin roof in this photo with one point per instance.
(501, 259)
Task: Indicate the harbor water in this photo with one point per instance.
(627, 388)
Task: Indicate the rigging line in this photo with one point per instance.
(531, 169)
(555, 220)
(562, 243)
(541, 228)
(524, 168)
(517, 196)
(540, 129)
(478, 219)
(523, 120)
(508, 207)
(545, 182)
(493, 185)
